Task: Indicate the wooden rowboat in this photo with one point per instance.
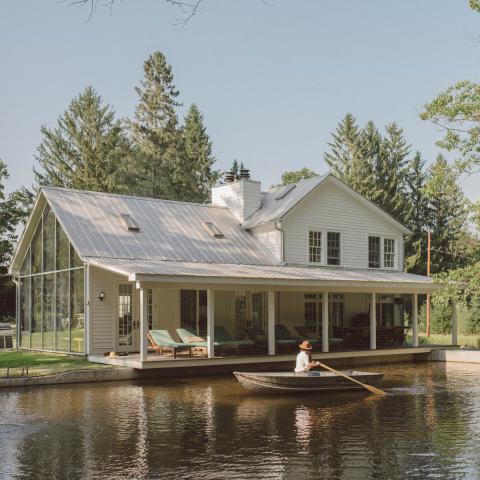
(285, 382)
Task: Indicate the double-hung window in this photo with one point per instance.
(315, 247)
(333, 248)
(388, 253)
(374, 252)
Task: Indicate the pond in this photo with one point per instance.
(210, 428)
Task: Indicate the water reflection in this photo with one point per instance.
(211, 428)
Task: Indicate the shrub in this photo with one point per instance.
(472, 319)
(440, 318)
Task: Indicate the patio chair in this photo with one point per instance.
(308, 334)
(259, 336)
(189, 337)
(282, 333)
(161, 339)
(222, 336)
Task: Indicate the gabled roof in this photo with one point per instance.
(168, 230)
(279, 201)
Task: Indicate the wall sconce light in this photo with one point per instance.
(101, 296)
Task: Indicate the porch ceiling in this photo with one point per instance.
(221, 273)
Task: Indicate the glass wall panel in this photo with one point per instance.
(48, 240)
(63, 249)
(36, 248)
(36, 311)
(25, 268)
(25, 304)
(62, 316)
(48, 313)
(77, 311)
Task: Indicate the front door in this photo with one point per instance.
(128, 324)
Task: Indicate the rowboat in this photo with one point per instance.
(285, 382)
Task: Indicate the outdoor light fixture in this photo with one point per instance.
(101, 296)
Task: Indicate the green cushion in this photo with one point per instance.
(163, 339)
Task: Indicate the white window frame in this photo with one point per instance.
(382, 251)
(324, 253)
(322, 246)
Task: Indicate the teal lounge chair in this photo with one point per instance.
(161, 339)
(191, 338)
(222, 336)
(259, 336)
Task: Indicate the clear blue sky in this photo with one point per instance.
(272, 80)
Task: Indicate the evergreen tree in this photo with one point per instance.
(235, 169)
(448, 216)
(198, 159)
(416, 216)
(294, 176)
(155, 132)
(87, 149)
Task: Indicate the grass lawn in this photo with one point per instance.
(469, 341)
(42, 363)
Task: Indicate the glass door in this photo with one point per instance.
(127, 334)
(313, 312)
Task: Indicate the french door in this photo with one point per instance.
(313, 312)
(128, 322)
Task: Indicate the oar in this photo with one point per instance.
(374, 390)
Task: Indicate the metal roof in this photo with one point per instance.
(135, 268)
(168, 230)
(275, 206)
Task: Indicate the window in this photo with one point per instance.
(125, 315)
(333, 248)
(250, 310)
(150, 308)
(315, 247)
(389, 253)
(373, 252)
(193, 311)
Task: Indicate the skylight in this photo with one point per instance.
(213, 230)
(129, 222)
(285, 192)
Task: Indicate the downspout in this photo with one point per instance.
(17, 311)
(278, 226)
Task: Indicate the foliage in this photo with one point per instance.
(198, 175)
(472, 320)
(440, 318)
(457, 112)
(86, 150)
(294, 176)
(474, 5)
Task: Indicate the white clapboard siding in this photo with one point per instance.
(271, 239)
(332, 209)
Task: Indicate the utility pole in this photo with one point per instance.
(428, 273)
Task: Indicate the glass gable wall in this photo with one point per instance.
(51, 314)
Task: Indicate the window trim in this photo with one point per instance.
(324, 252)
(396, 244)
(322, 246)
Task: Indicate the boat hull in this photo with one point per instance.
(289, 382)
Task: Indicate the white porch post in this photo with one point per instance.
(454, 324)
(415, 319)
(271, 322)
(143, 325)
(210, 323)
(325, 327)
(373, 321)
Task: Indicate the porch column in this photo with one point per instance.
(373, 321)
(271, 322)
(454, 324)
(415, 319)
(325, 327)
(143, 325)
(210, 323)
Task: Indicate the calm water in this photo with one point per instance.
(210, 428)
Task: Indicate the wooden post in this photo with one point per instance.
(373, 321)
(143, 325)
(454, 324)
(415, 319)
(325, 326)
(428, 274)
(271, 322)
(210, 323)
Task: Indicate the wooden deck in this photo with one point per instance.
(155, 361)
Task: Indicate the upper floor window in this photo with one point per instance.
(315, 247)
(388, 253)
(374, 252)
(333, 248)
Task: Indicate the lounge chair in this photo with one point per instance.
(161, 339)
(222, 336)
(308, 334)
(259, 336)
(189, 337)
(282, 333)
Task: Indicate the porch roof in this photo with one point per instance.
(191, 272)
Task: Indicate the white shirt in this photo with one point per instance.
(302, 362)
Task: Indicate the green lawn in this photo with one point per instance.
(42, 363)
(469, 341)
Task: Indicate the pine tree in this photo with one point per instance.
(86, 150)
(155, 132)
(198, 159)
(235, 168)
(416, 216)
(448, 216)
(344, 149)
(294, 176)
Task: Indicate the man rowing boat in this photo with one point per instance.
(304, 358)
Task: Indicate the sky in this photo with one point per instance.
(272, 77)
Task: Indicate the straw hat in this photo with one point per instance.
(305, 345)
